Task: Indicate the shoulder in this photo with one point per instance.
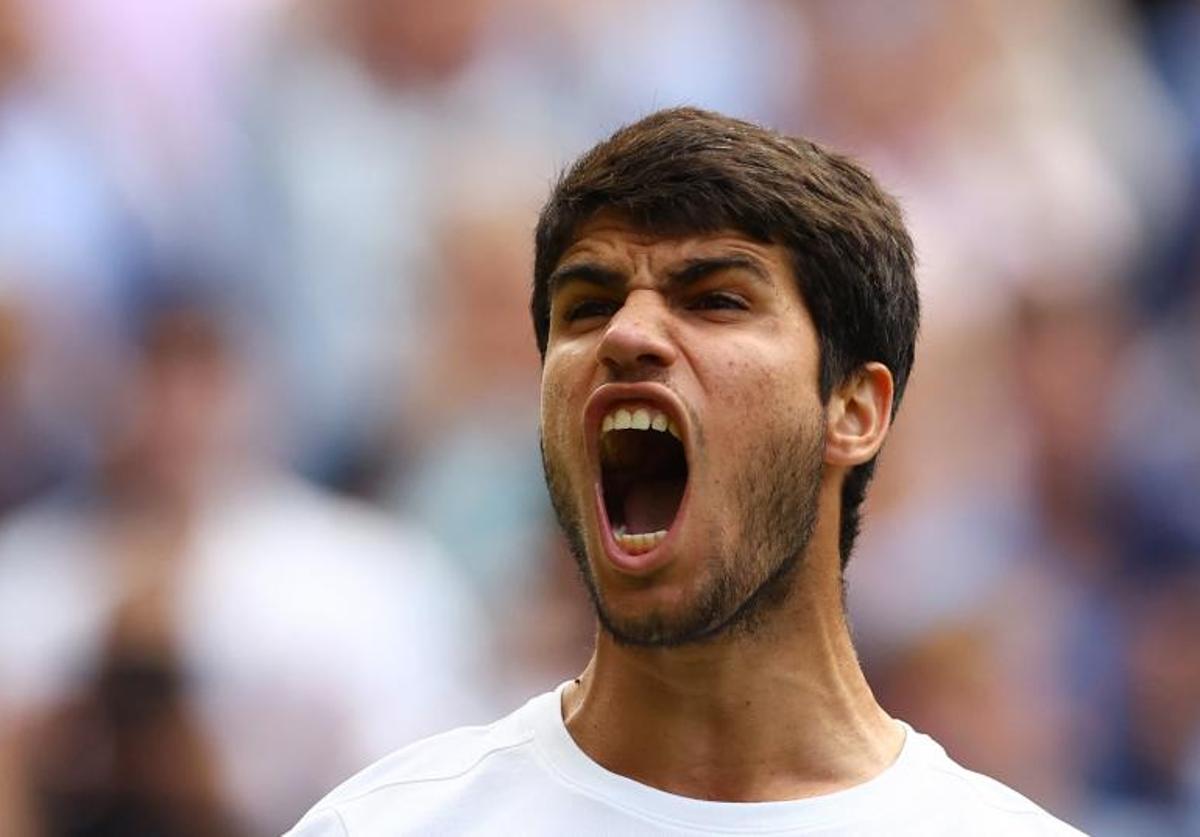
(438, 758)
(958, 795)
(423, 775)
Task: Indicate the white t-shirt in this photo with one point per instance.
(525, 775)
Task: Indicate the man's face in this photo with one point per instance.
(690, 526)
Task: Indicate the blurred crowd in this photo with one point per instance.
(270, 497)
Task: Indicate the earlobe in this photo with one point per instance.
(858, 416)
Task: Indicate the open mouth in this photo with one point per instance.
(643, 473)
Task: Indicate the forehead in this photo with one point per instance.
(615, 242)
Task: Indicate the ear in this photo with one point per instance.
(858, 416)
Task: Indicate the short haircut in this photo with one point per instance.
(690, 171)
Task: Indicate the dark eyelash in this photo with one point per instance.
(589, 308)
(719, 301)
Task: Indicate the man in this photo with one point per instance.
(727, 319)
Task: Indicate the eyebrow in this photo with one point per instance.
(693, 270)
(689, 273)
(592, 274)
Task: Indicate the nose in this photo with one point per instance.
(637, 337)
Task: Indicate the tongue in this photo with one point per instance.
(651, 505)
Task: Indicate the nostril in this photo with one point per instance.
(641, 361)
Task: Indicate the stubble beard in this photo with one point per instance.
(775, 498)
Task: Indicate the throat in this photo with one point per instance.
(650, 505)
(644, 476)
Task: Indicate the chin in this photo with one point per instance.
(661, 610)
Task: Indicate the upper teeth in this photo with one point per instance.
(639, 418)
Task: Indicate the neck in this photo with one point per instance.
(782, 712)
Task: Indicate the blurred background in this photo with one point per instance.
(270, 500)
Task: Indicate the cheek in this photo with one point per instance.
(755, 380)
(551, 413)
(759, 395)
(557, 406)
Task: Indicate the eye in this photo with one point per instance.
(718, 301)
(588, 308)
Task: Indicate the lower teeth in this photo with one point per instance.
(636, 544)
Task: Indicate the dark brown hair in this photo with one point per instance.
(684, 170)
